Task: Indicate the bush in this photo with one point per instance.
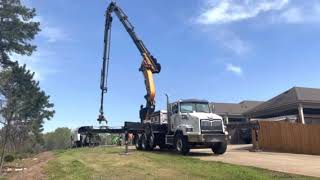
(9, 158)
(59, 139)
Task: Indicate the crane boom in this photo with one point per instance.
(149, 65)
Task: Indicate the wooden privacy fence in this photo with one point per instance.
(288, 137)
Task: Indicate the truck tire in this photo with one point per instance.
(145, 143)
(182, 145)
(137, 142)
(151, 141)
(219, 148)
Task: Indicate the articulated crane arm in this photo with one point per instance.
(149, 65)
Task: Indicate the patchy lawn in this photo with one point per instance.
(107, 163)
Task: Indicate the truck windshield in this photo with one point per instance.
(197, 107)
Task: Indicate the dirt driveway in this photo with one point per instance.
(308, 165)
(34, 167)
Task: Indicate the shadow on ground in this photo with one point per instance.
(174, 153)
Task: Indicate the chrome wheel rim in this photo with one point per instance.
(179, 144)
(151, 141)
(143, 143)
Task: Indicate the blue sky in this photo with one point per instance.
(223, 51)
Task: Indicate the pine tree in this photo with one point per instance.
(26, 106)
(17, 29)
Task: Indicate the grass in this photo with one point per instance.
(107, 163)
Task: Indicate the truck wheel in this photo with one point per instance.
(182, 145)
(137, 142)
(145, 143)
(219, 148)
(151, 141)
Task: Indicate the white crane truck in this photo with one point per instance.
(185, 125)
(188, 123)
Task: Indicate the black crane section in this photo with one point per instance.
(149, 65)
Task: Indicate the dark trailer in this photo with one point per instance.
(89, 135)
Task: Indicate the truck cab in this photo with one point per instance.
(195, 117)
(192, 124)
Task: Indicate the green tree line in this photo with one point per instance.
(58, 139)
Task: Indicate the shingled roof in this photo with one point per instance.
(233, 108)
(287, 103)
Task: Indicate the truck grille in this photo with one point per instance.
(208, 126)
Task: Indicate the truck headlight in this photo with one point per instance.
(189, 129)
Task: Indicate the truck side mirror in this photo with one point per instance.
(212, 107)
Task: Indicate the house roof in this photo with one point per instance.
(287, 101)
(308, 94)
(250, 104)
(234, 108)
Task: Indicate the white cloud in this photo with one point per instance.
(45, 61)
(226, 11)
(51, 33)
(233, 42)
(228, 40)
(297, 15)
(293, 15)
(234, 69)
(38, 63)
